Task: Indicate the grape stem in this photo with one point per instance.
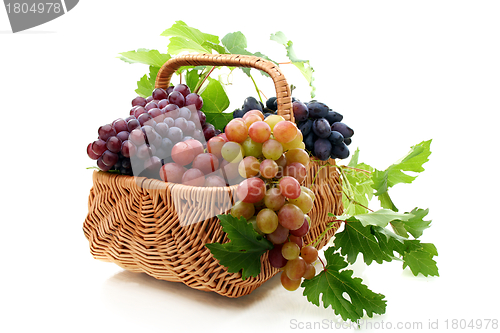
(203, 78)
(322, 263)
(256, 88)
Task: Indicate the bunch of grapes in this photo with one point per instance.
(325, 135)
(270, 156)
(141, 143)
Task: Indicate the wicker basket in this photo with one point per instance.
(146, 225)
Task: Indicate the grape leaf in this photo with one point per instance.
(185, 38)
(382, 217)
(357, 194)
(145, 56)
(415, 225)
(303, 65)
(215, 101)
(146, 84)
(420, 260)
(395, 173)
(192, 77)
(236, 43)
(334, 282)
(244, 249)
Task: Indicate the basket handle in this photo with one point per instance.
(283, 93)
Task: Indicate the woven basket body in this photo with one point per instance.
(146, 225)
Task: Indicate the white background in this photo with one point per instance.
(400, 72)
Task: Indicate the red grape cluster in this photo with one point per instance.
(269, 154)
(141, 143)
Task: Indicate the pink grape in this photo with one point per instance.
(278, 236)
(295, 268)
(289, 187)
(206, 163)
(274, 199)
(285, 131)
(251, 190)
(291, 216)
(249, 167)
(236, 130)
(182, 153)
(275, 257)
(193, 177)
(268, 169)
(243, 209)
(259, 131)
(172, 172)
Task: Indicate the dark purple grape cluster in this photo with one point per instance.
(141, 143)
(325, 135)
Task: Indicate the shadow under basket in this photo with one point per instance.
(146, 225)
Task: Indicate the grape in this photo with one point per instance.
(278, 236)
(333, 117)
(156, 114)
(297, 155)
(317, 109)
(202, 117)
(181, 123)
(175, 134)
(162, 104)
(309, 142)
(172, 111)
(250, 119)
(214, 146)
(214, 181)
(183, 89)
(295, 268)
(194, 99)
(275, 257)
(251, 148)
(309, 254)
(153, 164)
(300, 111)
(113, 144)
(169, 89)
(132, 124)
(296, 142)
(159, 94)
(289, 284)
(304, 202)
(297, 240)
(321, 128)
(138, 111)
(340, 151)
(291, 216)
(253, 112)
(272, 149)
(103, 166)
(268, 169)
(206, 163)
(166, 146)
(335, 138)
(185, 113)
(347, 141)
(162, 129)
(149, 99)
(250, 103)
(123, 135)
(267, 220)
(310, 272)
(109, 158)
(141, 101)
(232, 152)
(282, 165)
(273, 120)
(145, 119)
(120, 125)
(169, 121)
(285, 131)
(208, 131)
(290, 251)
(182, 153)
(98, 147)
(274, 199)
(305, 127)
(322, 149)
(193, 177)
(251, 190)
(176, 98)
(303, 230)
(106, 131)
(243, 209)
(230, 172)
(128, 149)
(345, 130)
(91, 153)
(289, 188)
(259, 131)
(196, 146)
(150, 105)
(152, 138)
(238, 113)
(296, 170)
(249, 167)
(143, 151)
(308, 191)
(272, 104)
(172, 172)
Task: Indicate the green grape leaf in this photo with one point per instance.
(334, 282)
(421, 260)
(192, 77)
(145, 56)
(395, 173)
(215, 101)
(243, 251)
(185, 38)
(146, 84)
(415, 225)
(382, 217)
(236, 43)
(359, 192)
(303, 65)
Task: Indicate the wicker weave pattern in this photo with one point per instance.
(146, 225)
